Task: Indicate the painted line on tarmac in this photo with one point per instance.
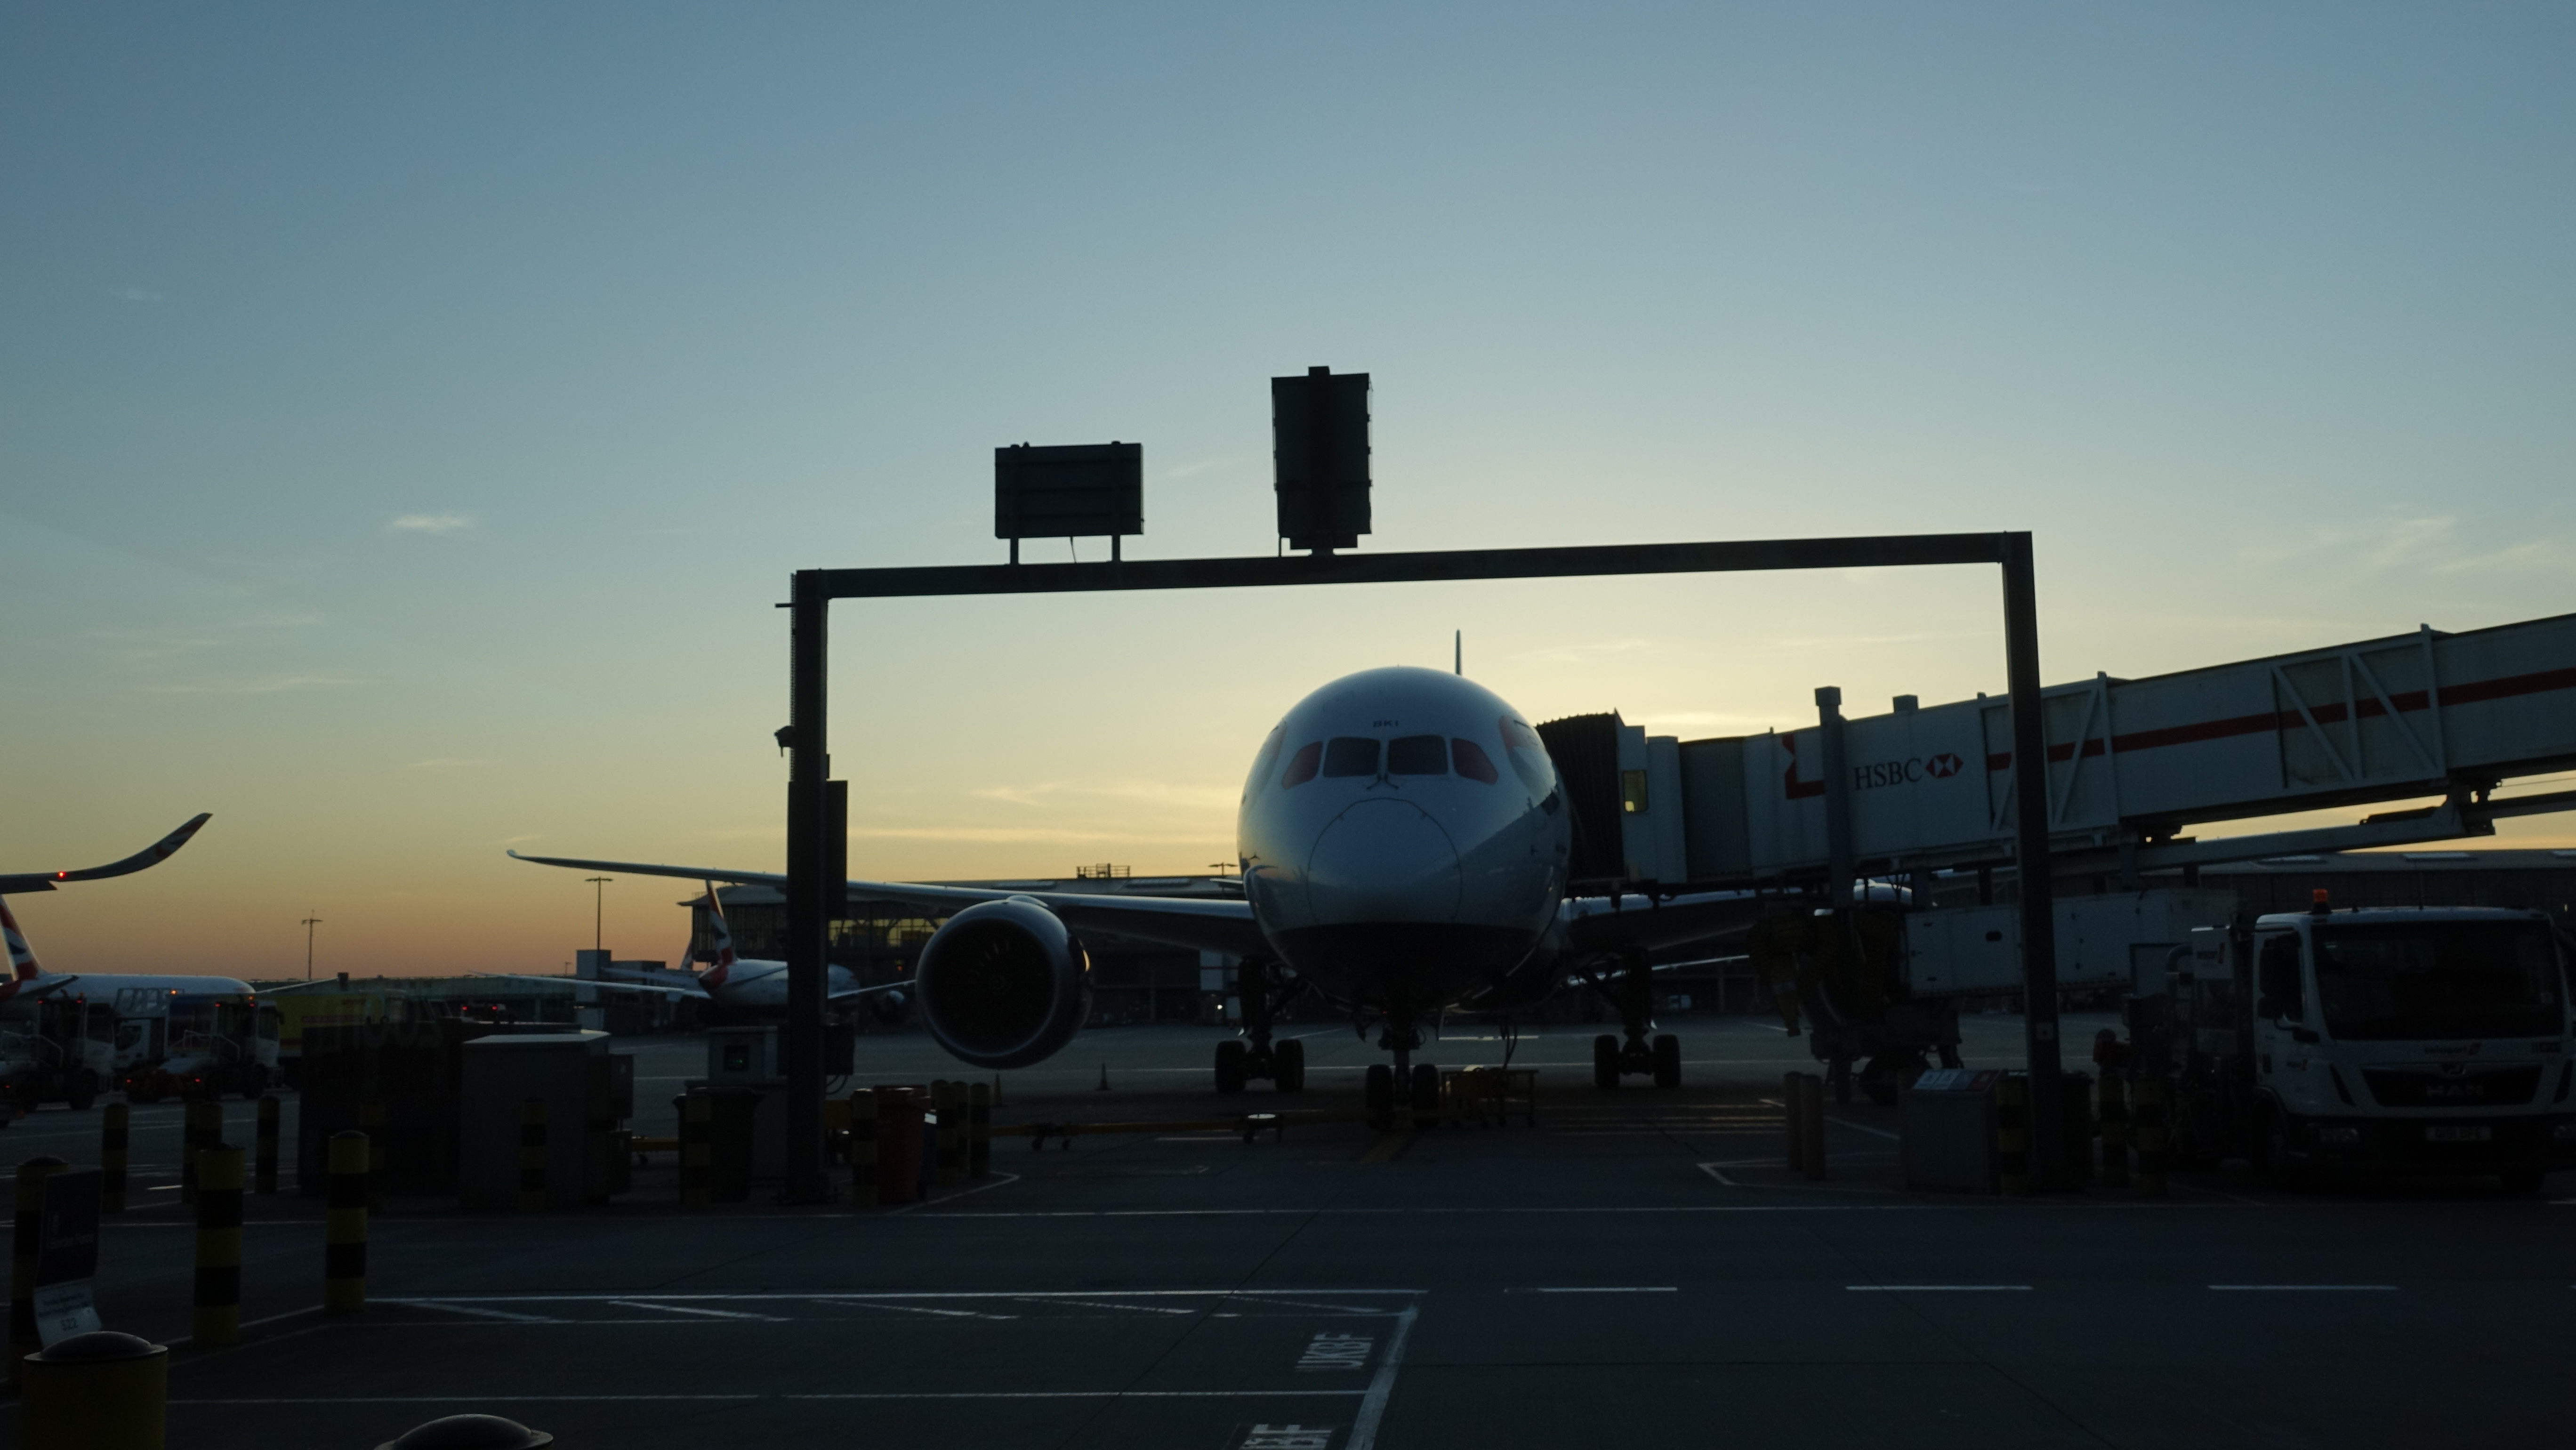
(2303, 1288)
(510, 1399)
(862, 1296)
(689, 1309)
(1938, 1288)
(1381, 1385)
(1604, 1289)
(1863, 1128)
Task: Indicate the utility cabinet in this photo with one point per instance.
(588, 1092)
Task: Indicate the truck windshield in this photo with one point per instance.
(2438, 979)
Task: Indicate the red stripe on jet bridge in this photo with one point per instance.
(2407, 701)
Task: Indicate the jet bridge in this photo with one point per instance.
(2132, 765)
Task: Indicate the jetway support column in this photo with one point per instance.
(2049, 1168)
(810, 893)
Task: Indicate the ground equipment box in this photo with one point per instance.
(1948, 1120)
(588, 1093)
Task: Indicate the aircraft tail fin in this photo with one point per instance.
(23, 965)
(720, 938)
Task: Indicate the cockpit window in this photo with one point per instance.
(1301, 766)
(1350, 755)
(1473, 762)
(1417, 755)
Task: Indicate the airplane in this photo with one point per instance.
(28, 978)
(732, 987)
(1404, 842)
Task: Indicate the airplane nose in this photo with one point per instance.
(1383, 860)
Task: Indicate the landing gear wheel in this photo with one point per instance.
(1288, 1066)
(84, 1090)
(1426, 1093)
(1605, 1062)
(1229, 1066)
(1668, 1061)
(1378, 1095)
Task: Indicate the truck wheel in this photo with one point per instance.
(83, 1091)
(2522, 1182)
(254, 1081)
(1378, 1095)
(1668, 1061)
(1288, 1066)
(1605, 1062)
(1229, 1066)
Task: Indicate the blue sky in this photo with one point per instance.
(409, 414)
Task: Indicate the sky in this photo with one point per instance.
(410, 414)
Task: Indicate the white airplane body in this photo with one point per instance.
(1404, 842)
(731, 987)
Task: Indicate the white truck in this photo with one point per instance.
(2431, 1040)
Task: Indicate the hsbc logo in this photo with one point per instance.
(1906, 772)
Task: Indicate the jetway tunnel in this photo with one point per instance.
(2132, 765)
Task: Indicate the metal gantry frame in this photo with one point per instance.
(811, 891)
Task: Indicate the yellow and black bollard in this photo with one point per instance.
(532, 1156)
(264, 1163)
(201, 1123)
(115, 1121)
(2115, 1129)
(2155, 1135)
(1793, 1113)
(371, 1121)
(97, 1391)
(23, 1340)
(979, 1128)
(219, 1244)
(697, 1151)
(863, 1149)
(344, 1227)
(2012, 1135)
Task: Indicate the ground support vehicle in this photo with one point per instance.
(201, 1039)
(1844, 973)
(2428, 1041)
(300, 1011)
(55, 1049)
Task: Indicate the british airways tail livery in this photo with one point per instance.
(730, 987)
(1404, 842)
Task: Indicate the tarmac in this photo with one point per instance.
(1639, 1267)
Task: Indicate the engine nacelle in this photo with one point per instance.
(1003, 984)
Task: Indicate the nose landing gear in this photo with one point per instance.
(1264, 993)
(1642, 1053)
(1415, 1085)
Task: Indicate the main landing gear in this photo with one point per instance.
(1633, 993)
(1264, 993)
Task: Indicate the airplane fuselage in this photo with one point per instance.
(1403, 839)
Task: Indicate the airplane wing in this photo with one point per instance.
(1195, 922)
(605, 984)
(322, 984)
(28, 991)
(152, 855)
(854, 993)
(1609, 924)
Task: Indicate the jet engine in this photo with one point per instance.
(1003, 984)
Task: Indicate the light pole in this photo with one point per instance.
(598, 899)
(308, 924)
